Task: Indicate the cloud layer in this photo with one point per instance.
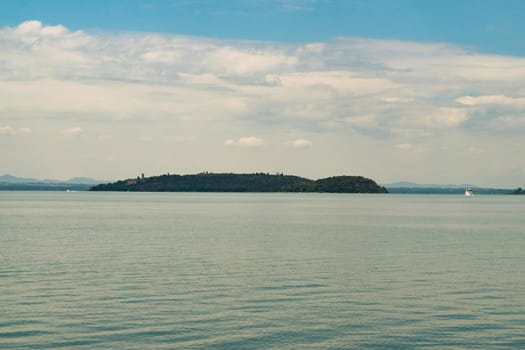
(400, 95)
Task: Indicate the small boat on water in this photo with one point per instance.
(468, 191)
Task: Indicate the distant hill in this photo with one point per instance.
(83, 180)
(13, 183)
(405, 184)
(10, 179)
(257, 182)
(415, 188)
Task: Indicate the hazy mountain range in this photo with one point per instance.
(415, 188)
(416, 185)
(10, 179)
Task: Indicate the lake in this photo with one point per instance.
(257, 271)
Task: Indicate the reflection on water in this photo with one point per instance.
(226, 271)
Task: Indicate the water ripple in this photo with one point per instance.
(253, 271)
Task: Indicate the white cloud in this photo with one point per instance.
(163, 56)
(75, 131)
(491, 100)
(236, 61)
(249, 142)
(57, 30)
(300, 144)
(32, 27)
(340, 81)
(11, 131)
(396, 100)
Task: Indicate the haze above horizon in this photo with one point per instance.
(427, 92)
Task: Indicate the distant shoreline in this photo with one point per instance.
(448, 190)
(260, 182)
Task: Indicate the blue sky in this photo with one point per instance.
(488, 25)
(422, 91)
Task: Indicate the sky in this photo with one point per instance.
(422, 91)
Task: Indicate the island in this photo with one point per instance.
(229, 182)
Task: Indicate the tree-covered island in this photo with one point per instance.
(257, 182)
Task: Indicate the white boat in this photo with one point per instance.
(468, 191)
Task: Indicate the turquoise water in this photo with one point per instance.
(258, 271)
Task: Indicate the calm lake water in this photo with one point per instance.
(258, 271)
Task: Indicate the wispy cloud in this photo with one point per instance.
(75, 131)
(12, 131)
(300, 144)
(491, 100)
(249, 141)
